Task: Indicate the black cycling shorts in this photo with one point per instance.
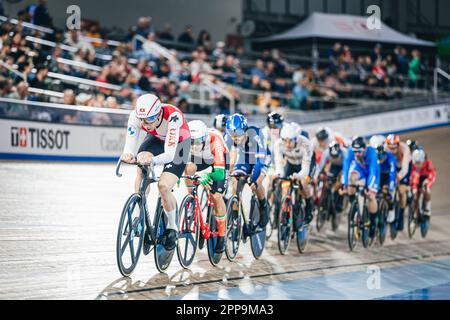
(156, 147)
(203, 164)
(384, 179)
(290, 168)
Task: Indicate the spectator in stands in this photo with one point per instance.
(20, 92)
(40, 79)
(300, 95)
(334, 53)
(73, 39)
(93, 33)
(41, 15)
(414, 69)
(258, 69)
(166, 34)
(204, 40)
(144, 26)
(187, 36)
(219, 50)
(402, 60)
(376, 54)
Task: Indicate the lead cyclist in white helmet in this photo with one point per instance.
(295, 157)
(167, 142)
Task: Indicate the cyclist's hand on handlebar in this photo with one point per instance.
(144, 158)
(342, 190)
(128, 158)
(253, 184)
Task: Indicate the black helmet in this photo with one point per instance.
(334, 149)
(381, 152)
(413, 145)
(359, 143)
(220, 121)
(323, 134)
(275, 120)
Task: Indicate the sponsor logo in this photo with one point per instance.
(38, 138)
(131, 131)
(174, 118)
(169, 166)
(172, 133)
(109, 143)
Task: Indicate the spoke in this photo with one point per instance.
(124, 246)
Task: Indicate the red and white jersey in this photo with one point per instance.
(426, 171)
(172, 130)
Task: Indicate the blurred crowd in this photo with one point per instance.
(130, 67)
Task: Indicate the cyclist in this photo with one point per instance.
(331, 162)
(220, 123)
(251, 159)
(388, 176)
(324, 136)
(361, 166)
(423, 176)
(377, 140)
(413, 145)
(402, 153)
(295, 157)
(271, 134)
(167, 142)
(208, 149)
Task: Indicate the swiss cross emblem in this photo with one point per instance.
(142, 110)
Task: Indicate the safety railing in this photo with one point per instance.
(438, 72)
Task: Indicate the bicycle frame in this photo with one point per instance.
(149, 177)
(206, 233)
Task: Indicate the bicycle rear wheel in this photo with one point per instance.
(130, 235)
(214, 257)
(163, 257)
(424, 220)
(271, 202)
(189, 232)
(234, 229)
(284, 225)
(353, 226)
(303, 230)
(258, 237)
(323, 209)
(365, 224)
(382, 217)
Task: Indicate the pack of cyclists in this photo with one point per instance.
(279, 150)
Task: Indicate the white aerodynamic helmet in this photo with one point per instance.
(418, 156)
(376, 140)
(148, 107)
(290, 131)
(198, 130)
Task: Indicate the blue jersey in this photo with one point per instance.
(368, 169)
(253, 152)
(389, 166)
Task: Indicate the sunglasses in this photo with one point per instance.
(236, 133)
(358, 151)
(150, 119)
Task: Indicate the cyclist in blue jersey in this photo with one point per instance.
(252, 158)
(361, 167)
(388, 176)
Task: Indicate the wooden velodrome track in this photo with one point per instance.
(58, 224)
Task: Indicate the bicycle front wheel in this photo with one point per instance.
(284, 225)
(234, 229)
(130, 235)
(258, 237)
(189, 232)
(382, 216)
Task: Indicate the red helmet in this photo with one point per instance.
(393, 139)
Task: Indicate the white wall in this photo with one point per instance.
(213, 15)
